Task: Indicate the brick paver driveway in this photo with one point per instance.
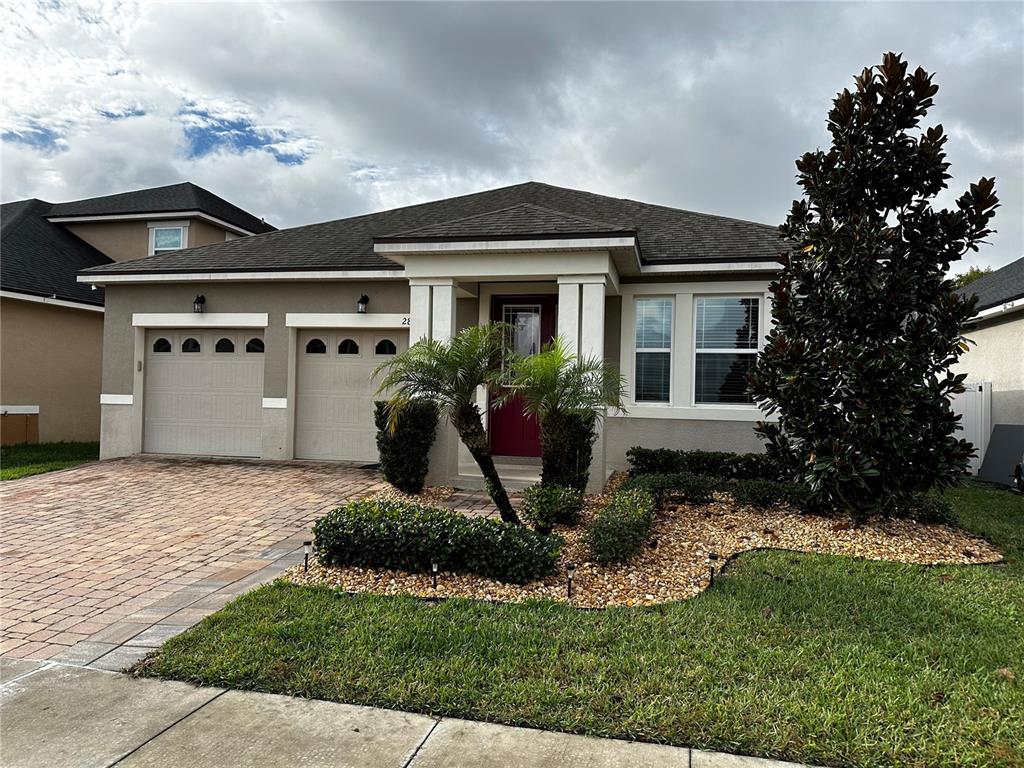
(91, 556)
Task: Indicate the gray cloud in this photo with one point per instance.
(699, 105)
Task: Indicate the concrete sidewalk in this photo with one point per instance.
(77, 717)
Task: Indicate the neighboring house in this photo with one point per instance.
(997, 353)
(51, 326)
(278, 364)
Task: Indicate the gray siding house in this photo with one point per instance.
(277, 364)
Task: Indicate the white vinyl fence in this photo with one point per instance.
(975, 408)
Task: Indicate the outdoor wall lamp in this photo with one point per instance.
(361, 304)
(197, 304)
(570, 571)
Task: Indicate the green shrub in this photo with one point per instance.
(618, 532)
(544, 506)
(767, 493)
(567, 443)
(392, 534)
(695, 489)
(930, 508)
(742, 466)
(404, 452)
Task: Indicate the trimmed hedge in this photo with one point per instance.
(544, 506)
(393, 534)
(767, 493)
(567, 446)
(694, 489)
(733, 466)
(404, 453)
(618, 532)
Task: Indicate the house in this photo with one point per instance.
(52, 325)
(277, 362)
(994, 364)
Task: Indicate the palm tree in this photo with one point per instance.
(448, 373)
(567, 394)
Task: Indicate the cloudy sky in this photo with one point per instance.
(305, 112)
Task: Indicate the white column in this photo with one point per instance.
(419, 312)
(569, 313)
(442, 325)
(592, 320)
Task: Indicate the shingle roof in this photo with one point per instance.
(523, 220)
(1005, 284)
(170, 199)
(42, 259)
(666, 235)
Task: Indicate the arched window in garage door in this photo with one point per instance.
(386, 347)
(254, 346)
(348, 347)
(190, 345)
(224, 345)
(316, 347)
(162, 345)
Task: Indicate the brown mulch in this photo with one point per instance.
(675, 564)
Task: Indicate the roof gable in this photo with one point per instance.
(173, 198)
(1005, 284)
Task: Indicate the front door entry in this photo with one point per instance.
(532, 319)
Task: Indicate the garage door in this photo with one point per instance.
(204, 392)
(334, 392)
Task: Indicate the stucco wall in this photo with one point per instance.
(998, 357)
(50, 357)
(622, 433)
(129, 240)
(276, 299)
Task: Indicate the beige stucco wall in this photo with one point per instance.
(129, 240)
(50, 357)
(622, 433)
(998, 356)
(276, 299)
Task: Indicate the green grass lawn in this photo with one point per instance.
(814, 658)
(24, 460)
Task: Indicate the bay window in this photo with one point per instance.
(653, 363)
(727, 333)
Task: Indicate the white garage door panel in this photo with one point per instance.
(335, 394)
(207, 403)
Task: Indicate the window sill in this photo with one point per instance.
(748, 413)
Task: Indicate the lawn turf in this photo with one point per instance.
(34, 459)
(815, 658)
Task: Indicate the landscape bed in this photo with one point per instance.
(674, 564)
(821, 659)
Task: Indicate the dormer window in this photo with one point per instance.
(167, 239)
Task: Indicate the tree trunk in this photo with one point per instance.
(471, 431)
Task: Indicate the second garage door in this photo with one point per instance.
(334, 392)
(203, 392)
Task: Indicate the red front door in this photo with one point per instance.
(532, 318)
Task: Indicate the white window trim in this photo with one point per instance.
(669, 349)
(693, 347)
(155, 225)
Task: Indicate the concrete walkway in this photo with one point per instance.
(78, 717)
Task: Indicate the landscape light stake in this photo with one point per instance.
(712, 556)
(570, 571)
(307, 547)
(433, 568)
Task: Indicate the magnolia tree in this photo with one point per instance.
(856, 367)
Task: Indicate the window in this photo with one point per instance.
(168, 239)
(162, 346)
(224, 345)
(348, 347)
(255, 346)
(316, 347)
(386, 347)
(727, 332)
(190, 345)
(653, 350)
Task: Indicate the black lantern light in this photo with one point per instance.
(361, 304)
(713, 557)
(570, 571)
(433, 569)
(307, 547)
(197, 304)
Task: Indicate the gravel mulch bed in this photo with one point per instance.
(675, 564)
